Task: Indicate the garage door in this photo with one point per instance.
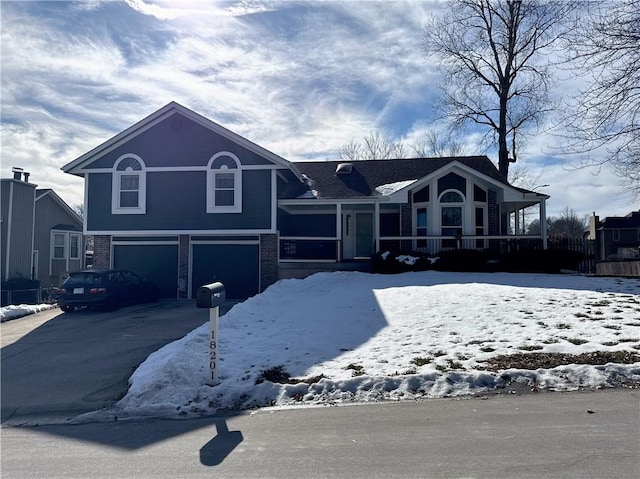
(157, 263)
(235, 266)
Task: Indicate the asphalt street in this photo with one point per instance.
(543, 435)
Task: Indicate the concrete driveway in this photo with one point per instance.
(57, 365)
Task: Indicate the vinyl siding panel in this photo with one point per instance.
(18, 235)
(176, 201)
(48, 215)
(178, 141)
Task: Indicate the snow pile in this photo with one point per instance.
(14, 312)
(362, 337)
(391, 188)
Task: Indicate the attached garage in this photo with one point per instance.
(237, 266)
(155, 262)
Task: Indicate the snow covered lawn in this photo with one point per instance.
(362, 337)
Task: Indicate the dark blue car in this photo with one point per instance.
(109, 289)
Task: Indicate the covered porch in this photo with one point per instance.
(322, 232)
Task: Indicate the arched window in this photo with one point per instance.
(129, 185)
(224, 184)
(451, 221)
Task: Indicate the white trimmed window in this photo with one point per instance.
(74, 246)
(59, 245)
(451, 216)
(224, 184)
(129, 186)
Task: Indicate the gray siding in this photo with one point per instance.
(177, 201)
(17, 229)
(49, 214)
(178, 141)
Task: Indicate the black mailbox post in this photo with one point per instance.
(212, 296)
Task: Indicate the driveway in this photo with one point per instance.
(57, 365)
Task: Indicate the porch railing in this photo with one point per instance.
(326, 249)
(329, 250)
(304, 248)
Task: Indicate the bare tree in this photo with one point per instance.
(605, 45)
(567, 225)
(496, 74)
(433, 144)
(79, 210)
(374, 146)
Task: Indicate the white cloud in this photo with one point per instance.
(300, 79)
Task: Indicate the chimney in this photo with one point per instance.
(26, 177)
(17, 173)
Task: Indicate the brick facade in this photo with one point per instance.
(268, 260)
(101, 252)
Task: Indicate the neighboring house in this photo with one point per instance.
(18, 213)
(41, 235)
(58, 239)
(617, 238)
(184, 202)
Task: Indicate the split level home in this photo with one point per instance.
(184, 202)
(41, 236)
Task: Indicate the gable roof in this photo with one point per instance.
(47, 192)
(75, 167)
(367, 175)
(632, 220)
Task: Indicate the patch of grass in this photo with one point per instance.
(577, 341)
(419, 361)
(602, 302)
(487, 349)
(357, 370)
(551, 341)
(531, 347)
(581, 315)
(612, 326)
(552, 360)
(439, 353)
(563, 326)
(610, 343)
(276, 374)
(312, 379)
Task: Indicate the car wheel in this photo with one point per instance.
(67, 308)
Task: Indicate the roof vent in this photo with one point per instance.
(344, 168)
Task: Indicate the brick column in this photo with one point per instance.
(268, 260)
(493, 213)
(101, 252)
(183, 267)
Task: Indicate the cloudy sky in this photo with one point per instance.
(298, 78)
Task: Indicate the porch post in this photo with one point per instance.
(543, 222)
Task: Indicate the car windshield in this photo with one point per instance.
(83, 278)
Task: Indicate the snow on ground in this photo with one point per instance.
(14, 312)
(407, 336)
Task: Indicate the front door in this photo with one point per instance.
(357, 235)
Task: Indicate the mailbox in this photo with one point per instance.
(210, 295)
